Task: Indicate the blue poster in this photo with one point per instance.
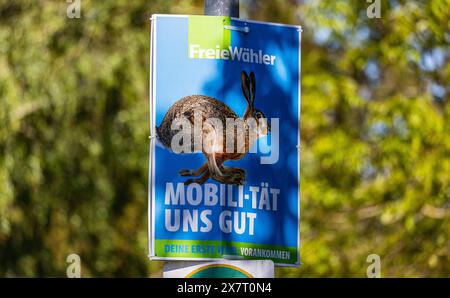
(224, 153)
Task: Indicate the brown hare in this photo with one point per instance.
(253, 125)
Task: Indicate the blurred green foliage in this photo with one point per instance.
(375, 172)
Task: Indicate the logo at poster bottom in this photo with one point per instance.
(219, 271)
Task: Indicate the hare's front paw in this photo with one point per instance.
(189, 181)
(185, 172)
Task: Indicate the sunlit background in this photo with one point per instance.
(375, 132)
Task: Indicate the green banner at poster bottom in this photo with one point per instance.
(218, 249)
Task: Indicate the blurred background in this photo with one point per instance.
(375, 132)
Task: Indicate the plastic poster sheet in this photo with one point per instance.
(209, 202)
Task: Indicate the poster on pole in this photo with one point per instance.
(224, 150)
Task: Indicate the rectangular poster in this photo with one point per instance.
(224, 153)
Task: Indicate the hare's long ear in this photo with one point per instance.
(252, 87)
(245, 84)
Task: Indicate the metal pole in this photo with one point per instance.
(228, 8)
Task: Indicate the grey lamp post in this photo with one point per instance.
(222, 8)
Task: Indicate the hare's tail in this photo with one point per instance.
(160, 140)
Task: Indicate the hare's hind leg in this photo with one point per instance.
(232, 170)
(230, 177)
(237, 175)
(213, 165)
(200, 180)
(196, 173)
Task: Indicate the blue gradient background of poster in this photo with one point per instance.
(276, 95)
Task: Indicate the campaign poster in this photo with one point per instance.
(224, 145)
